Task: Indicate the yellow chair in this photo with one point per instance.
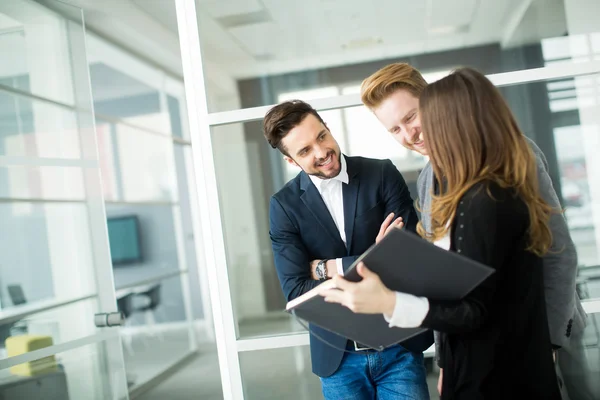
(17, 345)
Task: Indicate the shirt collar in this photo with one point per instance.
(342, 176)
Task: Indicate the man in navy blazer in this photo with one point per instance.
(320, 222)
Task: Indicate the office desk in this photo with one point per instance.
(51, 386)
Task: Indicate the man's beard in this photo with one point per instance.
(322, 175)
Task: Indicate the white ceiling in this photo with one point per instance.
(248, 38)
(8, 24)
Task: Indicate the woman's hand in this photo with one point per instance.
(388, 224)
(440, 380)
(369, 296)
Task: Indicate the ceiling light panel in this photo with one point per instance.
(225, 8)
(456, 13)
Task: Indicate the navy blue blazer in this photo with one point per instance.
(302, 230)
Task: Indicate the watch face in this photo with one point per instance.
(321, 270)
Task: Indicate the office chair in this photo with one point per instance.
(125, 306)
(153, 296)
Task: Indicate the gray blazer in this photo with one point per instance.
(565, 313)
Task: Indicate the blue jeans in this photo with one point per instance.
(394, 373)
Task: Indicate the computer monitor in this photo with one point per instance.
(124, 239)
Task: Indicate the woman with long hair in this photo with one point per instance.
(486, 206)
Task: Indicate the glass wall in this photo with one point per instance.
(143, 150)
(543, 55)
(74, 373)
(45, 174)
(47, 253)
(55, 271)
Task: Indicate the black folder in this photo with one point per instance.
(405, 263)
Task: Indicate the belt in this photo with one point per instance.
(356, 346)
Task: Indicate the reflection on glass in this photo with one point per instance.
(147, 165)
(175, 117)
(279, 374)
(121, 96)
(155, 234)
(41, 183)
(246, 169)
(12, 41)
(81, 373)
(277, 323)
(57, 324)
(136, 166)
(109, 164)
(36, 129)
(46, 249)
(37, 40)
(156, 332)
(267, 48)
(577, 197)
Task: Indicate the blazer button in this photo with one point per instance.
(569, 328)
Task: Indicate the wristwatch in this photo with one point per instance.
(321, 270)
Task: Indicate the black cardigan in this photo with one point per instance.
(495, 342)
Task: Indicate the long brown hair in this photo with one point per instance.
(471, 136)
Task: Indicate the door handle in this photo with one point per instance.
(104, 320)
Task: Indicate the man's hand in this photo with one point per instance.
(388, 224)
(369, 296)
(331, 269)
(440, 380)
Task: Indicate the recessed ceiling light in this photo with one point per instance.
(362, 43)
(448, 29)
(237, 20)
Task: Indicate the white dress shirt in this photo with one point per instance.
(410, 311)
(331, 192)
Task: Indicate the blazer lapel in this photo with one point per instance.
(350, 196)
(313, 200)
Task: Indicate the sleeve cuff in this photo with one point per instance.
(340, 266)
(409, 311)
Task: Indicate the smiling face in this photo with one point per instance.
(399, 113)
(311, 146)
